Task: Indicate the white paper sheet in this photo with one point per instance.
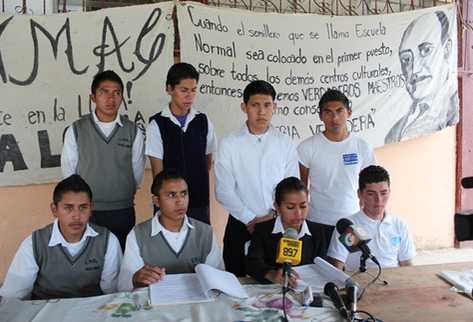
(178, 288)
(318, 274)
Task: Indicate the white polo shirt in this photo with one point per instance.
(333, 170)
(390, 242)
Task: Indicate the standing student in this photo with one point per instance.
(250, 162)
(69, 257)
(181, 138)
(332, 160)
(106, 149)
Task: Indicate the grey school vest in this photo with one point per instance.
(106, 163)
(156, 251)
(62, 276)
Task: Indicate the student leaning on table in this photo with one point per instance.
(68, 258)
(170, 242)
(292, 207)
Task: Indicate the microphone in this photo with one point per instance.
(289, 253)
(354, 238)
(352, 294)
(331, 290)
(467, 182)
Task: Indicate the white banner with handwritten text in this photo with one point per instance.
(398, 70)
(47, 64)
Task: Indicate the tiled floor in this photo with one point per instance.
(443, 255)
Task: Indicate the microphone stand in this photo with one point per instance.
(362, 269)
(363, 258)
(285, 288)
(284, 291)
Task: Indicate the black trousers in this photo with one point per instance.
(120, 222)
(236, 235)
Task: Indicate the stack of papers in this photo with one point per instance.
(320, 273)
(201, 286)
(462, 281)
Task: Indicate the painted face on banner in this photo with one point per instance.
(107, 99)
(173, 200)
(73, 212)
(182, 96)
(374, 198)
(259, 112)
(293, 209)
(334, 115)
(423, 57)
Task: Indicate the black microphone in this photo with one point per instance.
(352, 294)
(354, 238)
(467, 182)
(331, 291)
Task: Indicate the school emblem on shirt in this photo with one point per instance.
(350, 158)
(92, 264)
(396, 241)
(124, 142)
(195, 260)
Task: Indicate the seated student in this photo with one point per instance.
(68, 258)
(292, 208)
(391, 242)
(170, 242)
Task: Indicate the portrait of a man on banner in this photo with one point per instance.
(425, 55)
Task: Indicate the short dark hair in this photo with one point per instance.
(258, 87)
(73, 183)
(180, 71)
(333, 95)
(372, 174)
(108, 75)
(286, 186)
(165, 175)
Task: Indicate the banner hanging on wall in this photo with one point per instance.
(398, 70)
(47, 64)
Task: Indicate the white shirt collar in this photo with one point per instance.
(117, 119)
(279, 229)
(386, 220)
(167, 112)
(58, 239)
(244, 131)
(156, 226)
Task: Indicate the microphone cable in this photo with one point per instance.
(370, 317)
(372, 282)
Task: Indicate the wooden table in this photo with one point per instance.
(416, 294)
